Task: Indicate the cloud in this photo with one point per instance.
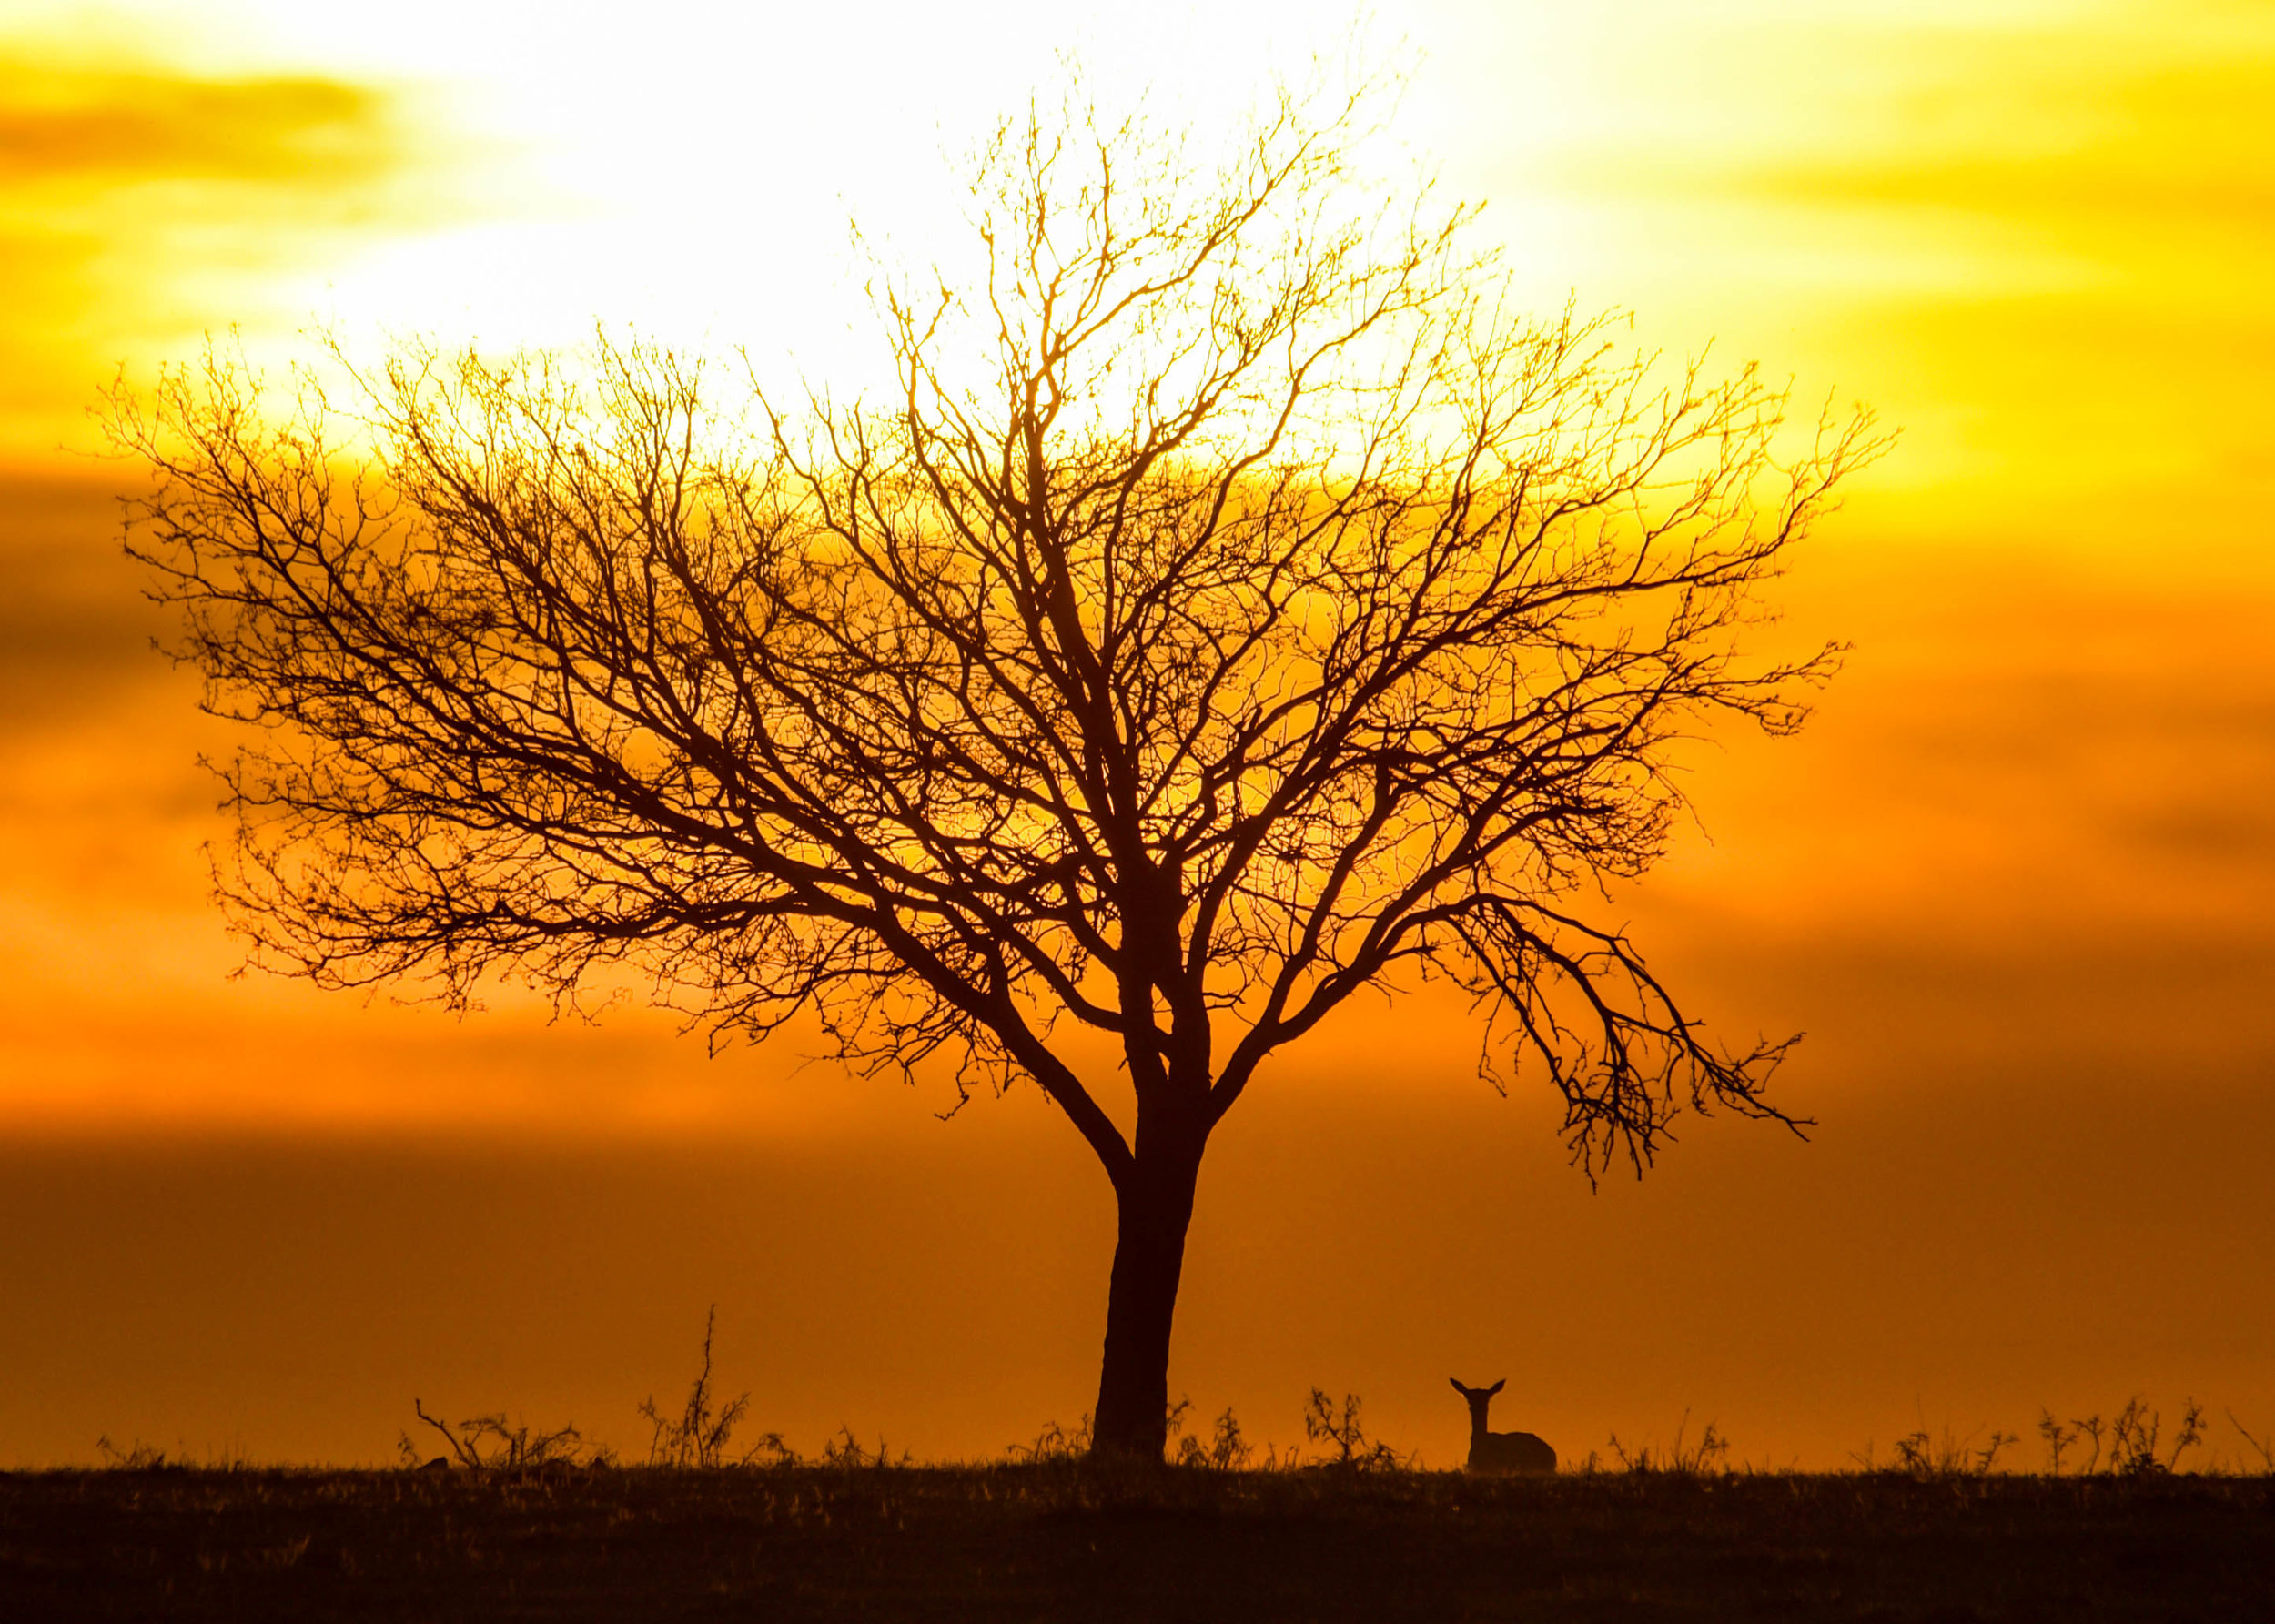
(74, 628)
(69, 125)
(139, 206)
(2136, 152)
(2133, 168)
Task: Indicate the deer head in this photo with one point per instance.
(1479, 1399)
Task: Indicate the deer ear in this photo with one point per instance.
(1497, 1387)
(1459, 1387)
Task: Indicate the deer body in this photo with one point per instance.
(1502, 1451)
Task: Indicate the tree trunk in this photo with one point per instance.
(1156, 1205)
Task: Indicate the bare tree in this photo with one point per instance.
(1235, 606)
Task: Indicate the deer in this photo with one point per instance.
(1502, 1451)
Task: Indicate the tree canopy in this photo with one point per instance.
(1236, 603)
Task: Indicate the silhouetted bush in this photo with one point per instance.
(1354, 1451)
(1709, 1455)
(489, 1443)
(698, 1435)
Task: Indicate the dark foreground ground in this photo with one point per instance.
(1051, 1542)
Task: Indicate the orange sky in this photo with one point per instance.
(2014, 879)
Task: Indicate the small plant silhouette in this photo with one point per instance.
(2134, 1433)
(1228, 1451)
(1055, 1443)
(697, 1436)
(2130, 1443)
(1705, 1457)
(2264, 1447)
(1353, 1450)
(844, 1451)
(2057, 1439)
(140, 1458)
(1923, 1454)
(488, 1443)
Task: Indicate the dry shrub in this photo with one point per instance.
(698, 1436)
(489, 1443)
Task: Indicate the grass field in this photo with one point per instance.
(1054, 1541)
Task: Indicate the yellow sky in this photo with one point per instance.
(2025, 853)
(2033, 233)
